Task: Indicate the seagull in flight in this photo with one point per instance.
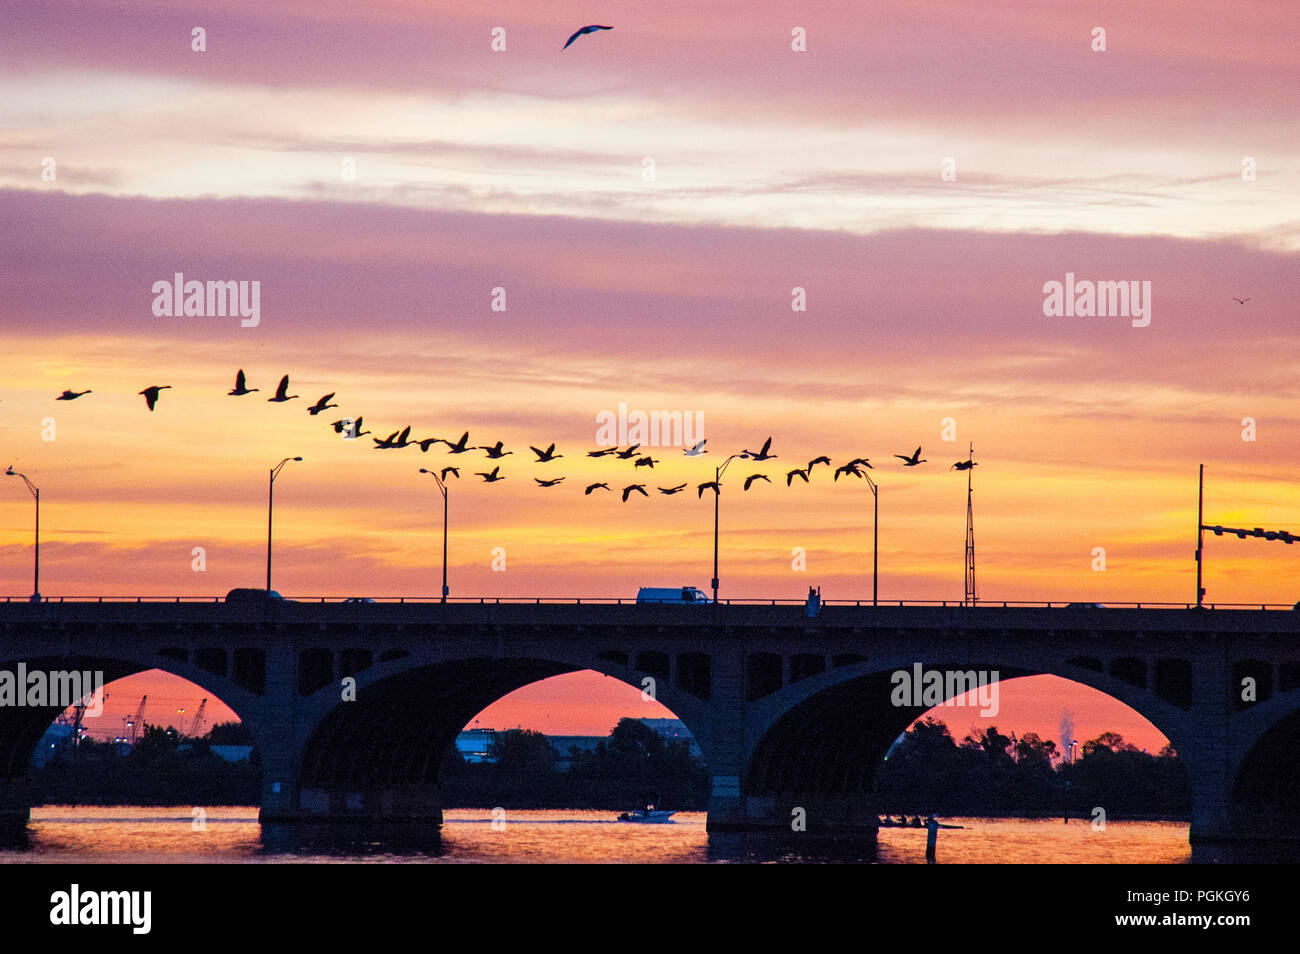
(70, 395)
(762, 454)
(591, 487)
(492, 477)
(753, 477)
(1241, 301)
(697, 449)
(585, 30)
(639, 488)
(912, 461)
(151, 394)
(669, 491)
(239, 385)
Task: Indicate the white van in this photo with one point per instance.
(679, 595)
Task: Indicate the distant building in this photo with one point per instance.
(475, 745)
(565, 744)
(56, 736)
(673, 730)
(232, 753)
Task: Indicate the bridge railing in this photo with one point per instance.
(617, 601)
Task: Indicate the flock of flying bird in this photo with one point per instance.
(402, 438)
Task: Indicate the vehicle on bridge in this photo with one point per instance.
(678, 595)
(243, 594)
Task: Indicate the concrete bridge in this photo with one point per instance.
(789, 711)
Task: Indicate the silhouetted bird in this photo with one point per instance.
(762, 454)
(71, 395)
(697, 449)
(321, 405)
(672, 490)
(1241, 301)
(543, 456)
(495, 452)
(639, 488)
(353, 427)
(964, 465)
(548, 483)
(818, 460)
(426, 443)
(450, 470)
(459, 447)
(709, 485)
(790, 475)
(627, 454)
(646, 461)
(849, 468)
(394, 440)
(753, 477)
(151, 394)
(601, 453)
(857, 462)
(591, 487)
(585, 30)
(912, 461)
(281, 394)
(239, 385)
(490, 478)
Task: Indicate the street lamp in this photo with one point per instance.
(717, 492)
(270, 504)
(36, 572)
(875, 537)
(443, 488)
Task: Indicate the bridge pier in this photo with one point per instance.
(15, 810)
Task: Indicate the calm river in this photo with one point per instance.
(86, 835)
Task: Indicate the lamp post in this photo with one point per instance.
(443, 488)
(875, 537)
(36, 560)
(717, 492)
(270, 506)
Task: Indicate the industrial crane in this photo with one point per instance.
(135, 724)
(197, 725)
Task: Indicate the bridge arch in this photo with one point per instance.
(380, 754)
(825, 736)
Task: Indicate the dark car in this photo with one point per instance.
(249, 595)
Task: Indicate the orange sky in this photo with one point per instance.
(512, 241)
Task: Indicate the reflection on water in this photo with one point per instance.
(85, 835)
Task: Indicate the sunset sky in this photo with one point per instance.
(649, 199)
